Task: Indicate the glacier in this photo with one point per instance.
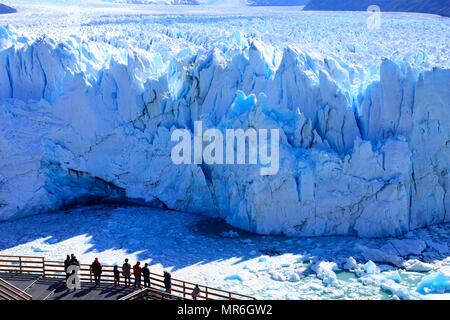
(364, 150)
(441, 7)
(219, 3)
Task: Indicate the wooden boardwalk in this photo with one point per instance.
(40, 288)
(45, 280)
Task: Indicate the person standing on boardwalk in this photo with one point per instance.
(126, 271)
(96, 269)
(74, 280)
(74, 261)
(168, 282)
(116, 276)
(137, 270)
(196, 292)
(66, 266)
(146, 275)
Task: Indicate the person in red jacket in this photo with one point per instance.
(137, 270)
(96, 269)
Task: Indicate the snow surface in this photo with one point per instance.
(89, 99)
(199, 249)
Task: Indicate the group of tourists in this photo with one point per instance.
(139, 273)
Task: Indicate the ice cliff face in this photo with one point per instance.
(86, 120)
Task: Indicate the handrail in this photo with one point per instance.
(55, 269)
(11, 292)
(28, 257)
(133, 294)
(136, 295)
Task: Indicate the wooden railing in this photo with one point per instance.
(10, 292)
(55, 269)
(150, 294)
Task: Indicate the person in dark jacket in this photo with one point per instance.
(137, 270)
(126, 271)
(96, 269)
(146, 275)
(66, 266)
(116, 276)
(196, 292)
(168, 282)
(74, 261)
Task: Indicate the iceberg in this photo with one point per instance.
(395, 289)
(326, 272)
(436, 283)
(418, 266)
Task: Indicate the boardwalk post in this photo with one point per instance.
(43, 267)
(184, 289)
(20, 264)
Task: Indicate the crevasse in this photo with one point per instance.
(360, 155)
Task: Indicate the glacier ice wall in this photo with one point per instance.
(85, 120)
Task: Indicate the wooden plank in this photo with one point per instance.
(32, 257)
(31, 267)
(7, 287)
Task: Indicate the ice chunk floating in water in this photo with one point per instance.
(363, 151)
(436, 283)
